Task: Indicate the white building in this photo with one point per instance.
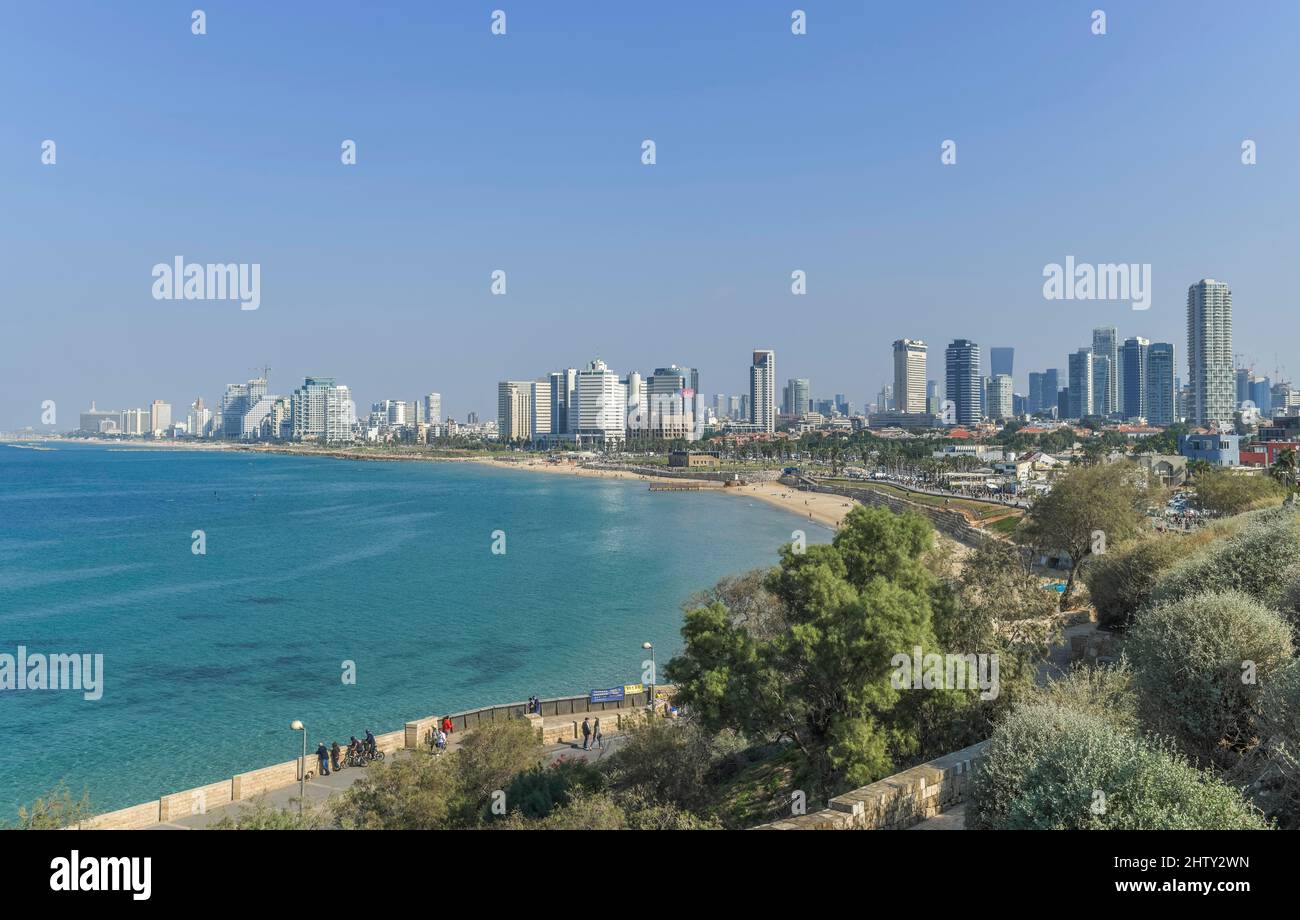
(909, 375)
(1211, 379)
(762, 390)
(515, 410)
(599, 414)
(322, 411)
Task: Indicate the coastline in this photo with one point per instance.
(824, 509)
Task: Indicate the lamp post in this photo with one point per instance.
(297, 726)
(649, 647)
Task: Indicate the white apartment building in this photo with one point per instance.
(909, 376)
(1211, 379)
(762, 390)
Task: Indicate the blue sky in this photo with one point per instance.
(522, 153)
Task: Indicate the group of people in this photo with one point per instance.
(333, 755)
(534, 706)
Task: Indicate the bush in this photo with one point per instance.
(1105, 692)
(1249, 560)
(1120, 582)
(1231, 492)
(1199, 663)
(1272, 774)
(1092, 776)
(1046, 763)
(54, 811)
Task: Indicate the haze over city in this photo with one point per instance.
(525, 155)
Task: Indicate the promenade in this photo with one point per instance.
(320, 789)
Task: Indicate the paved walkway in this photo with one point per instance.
(954, 819)
(321, 788)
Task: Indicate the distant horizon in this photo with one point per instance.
(921, 168)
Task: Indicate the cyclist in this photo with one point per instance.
(370, 743)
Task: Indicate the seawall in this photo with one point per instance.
(246, 785)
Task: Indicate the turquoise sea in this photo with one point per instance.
(312, 562)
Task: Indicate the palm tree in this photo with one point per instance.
(1283, 469)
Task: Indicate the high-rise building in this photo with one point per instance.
(1000, 394)
(963, 382)
(933, 398)
(539, 403)
(1034, 400)
(1137, 386)
(1002, 361)
(798, 392)
(562, 384)
(668, 407)
(1162, 402)
(1211, 387)
(515, 410)
(238, 399)
(909, 375)
(160, 416)
(136, 422)
(762, 390)
(1081, 379)
(200, 418)
(1103, 371)
(599, 410)
(1105, 344)
(322, 410)
(1052, 390)
(433, 409)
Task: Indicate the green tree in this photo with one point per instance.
(55, 810)
(1283, 470)
(823, 682)
(1228, 492)
(1087, 505)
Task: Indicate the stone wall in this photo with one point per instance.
(410, 736)
(952, 524)
(896, 802)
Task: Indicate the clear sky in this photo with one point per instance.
(523, 153)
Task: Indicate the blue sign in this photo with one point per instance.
(612, 695)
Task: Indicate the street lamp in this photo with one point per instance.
(649, 647)
(297, 726)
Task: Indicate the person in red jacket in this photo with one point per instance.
(446, 724)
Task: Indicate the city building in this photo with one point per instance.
(796, 396)
(1210, 380)
(1002, 361)
(599, 411)
(239, 398)
(909, 375)
(762, 390)
(1105, 345)
(99, 421)
(322, 410)
(1001, 398)
(160, 417)
(1135, 361)
(963, 382)
(539, 403)
(1216, 449)
(515, 410)
(433, 409)
(1081, 381)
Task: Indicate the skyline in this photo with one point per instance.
(378, 274)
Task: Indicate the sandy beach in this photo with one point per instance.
(823, 509)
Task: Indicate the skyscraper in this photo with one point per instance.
(433, 409)
(539, 404)
(1081, 395)
(160, 416)
(798, 391)
(322, 411)
(962, 369)
(1161, 389)
(909, 375)
(1103, 372)
(514, 410)
(762, 390)
(1134, 360)
(1034, 401)
(1000, 394)
(1210, 381)
(562, 386)
(1002, 361)
(1105, 344)
(598, 414)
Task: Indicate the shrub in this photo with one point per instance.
(1199, 663)
(1223, 491)
(1120, 582)
(1272, 774)
(1092, 776)
(55, 810)
(1105, 692)
(1249, 560)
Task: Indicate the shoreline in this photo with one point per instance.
(818, 508)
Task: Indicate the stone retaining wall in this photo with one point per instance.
(410, 737)
(896, 802)
(952, 524)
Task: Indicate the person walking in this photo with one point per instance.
(335, 753)
(586, 733)
(440, 741)
(596, 737)
(323, 755)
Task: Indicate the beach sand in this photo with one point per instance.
(828, 510)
